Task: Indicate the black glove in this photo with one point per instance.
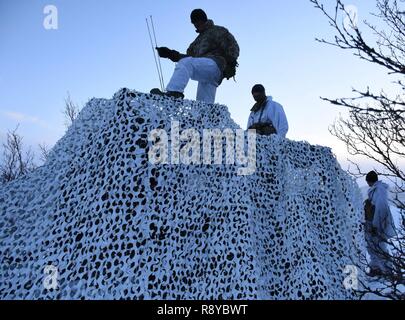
(165, 52)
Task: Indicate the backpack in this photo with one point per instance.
(230, 49)
(230, 69)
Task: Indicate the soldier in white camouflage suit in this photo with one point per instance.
(210, 58)
(379, 226)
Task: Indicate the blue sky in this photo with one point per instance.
(101, 46)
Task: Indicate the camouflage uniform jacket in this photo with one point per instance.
(217, 43)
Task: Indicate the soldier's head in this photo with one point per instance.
(198, 19)
(371, 178)
(259, 93)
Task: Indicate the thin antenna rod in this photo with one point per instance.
(154, 54)
(160, 66)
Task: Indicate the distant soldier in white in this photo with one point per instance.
(267, 116)
(379, 226)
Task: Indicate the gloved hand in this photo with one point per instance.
(165, 52)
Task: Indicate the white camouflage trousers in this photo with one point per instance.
(203, 70)
(379, 253)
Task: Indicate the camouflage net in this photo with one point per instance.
(112, 225)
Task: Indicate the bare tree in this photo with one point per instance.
(375, 128)
(16, 162)
(44, 152)
(70, 111)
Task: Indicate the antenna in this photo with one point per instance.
(154, 46)
(160, 66)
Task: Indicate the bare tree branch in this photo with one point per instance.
(44, 152)
(70, 111)
(17, 162)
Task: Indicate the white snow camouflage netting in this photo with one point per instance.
(115, 226)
